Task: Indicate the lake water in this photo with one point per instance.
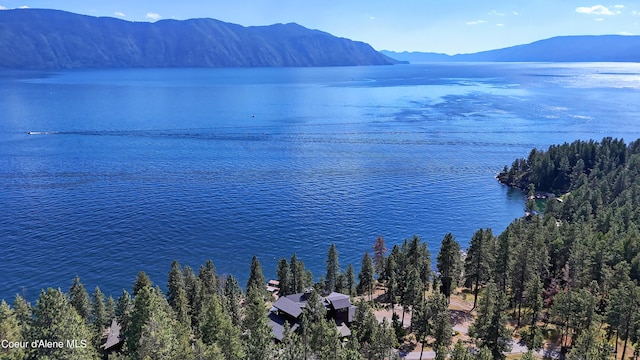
(129, 169)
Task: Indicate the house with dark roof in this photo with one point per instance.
(288, 310)
(340, 308)
(112, 340)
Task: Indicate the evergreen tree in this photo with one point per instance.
(99, 317)
(587, 346)
(460, 352)
(432, 318)
(193, 288)
(182, 311)
(284, 277)
(392, 285)
(416, 254)
(157, 338)
(55, 320)
(379, 256)
(11, 332)
(624, 309)
(324, 341)
(230, 341)
(333, 269)
(341, 284)
(258, 342)
(412, 291)
(533, 337)
(479, 261)
(365, 285)
(364, 323)
(290, 348)
(175, 283)
(441, 318)
(123, 309)
(485, 354)
(489, 328)
(209, 279)
(504, 254)
(24, 314)
(350, 280)
(142, 280)
(233, 298)
(351, 349)
(297, 275)
(383, 341)
(211, 325)
(177, 296)
(218, 329)
(151, 330)
(206, 352)
(110, 308)
(80, 299)
(441, 353)
(575, 310)
(530, 257)
(256, 277)
(449, 264)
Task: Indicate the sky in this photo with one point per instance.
(445, 26)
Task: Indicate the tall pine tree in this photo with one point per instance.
(449, 264)
(333, 269)
(479, 261)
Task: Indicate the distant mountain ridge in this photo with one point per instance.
(586, 48)
(53, 39)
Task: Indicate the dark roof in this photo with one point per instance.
(113, 337)
(277, 325)
(339, 301)
(288, 306)
(300, 299)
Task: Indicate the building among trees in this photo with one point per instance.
(288, 311)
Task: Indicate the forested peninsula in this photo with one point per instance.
(561, 282)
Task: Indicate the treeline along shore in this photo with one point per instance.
(562, 281)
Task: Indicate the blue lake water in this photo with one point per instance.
(129, 169)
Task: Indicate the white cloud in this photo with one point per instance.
(121, 14)
(598, 19)
(496, 13)
(594, 10)
(500, 25)
(153, 16)
(24, 7)
(625, 33)
(515, 13)
(3, 8)
(476, 22)
(618, 6)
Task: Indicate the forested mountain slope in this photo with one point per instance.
(52, 39)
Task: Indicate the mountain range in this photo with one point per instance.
(53, 39)
(586, 48)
